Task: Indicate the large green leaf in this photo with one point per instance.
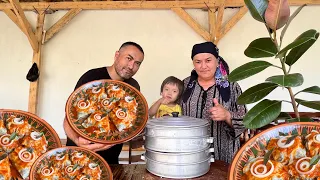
(248, 70)
(262, 47)
(311, 104)
(256, 93)
(257, 8)
(290, 80)
(297, 52)
(312, 89)
(310, 35)
(284, 30)
(262, 114)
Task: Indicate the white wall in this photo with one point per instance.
(90, 40)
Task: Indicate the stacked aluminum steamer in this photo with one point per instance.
(178, 147)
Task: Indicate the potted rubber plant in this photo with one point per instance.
(275, 15)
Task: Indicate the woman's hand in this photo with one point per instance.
(219, 113)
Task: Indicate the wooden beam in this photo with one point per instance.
(139, 4)
(212, 23)
(24, 24)
(61, 23)
(14, 18)
(302, 2)
(192, 23)
(233, 21)
(219, 23)
(34, 86)
(98, 5)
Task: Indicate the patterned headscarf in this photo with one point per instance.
(221, 74)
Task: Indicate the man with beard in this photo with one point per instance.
(127, 61)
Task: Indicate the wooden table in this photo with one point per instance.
(218, 171)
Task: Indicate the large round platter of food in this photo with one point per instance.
(284, 152)
(70, 163)
(107, 111)
(23, 138)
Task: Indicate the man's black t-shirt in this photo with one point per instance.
(111, 155)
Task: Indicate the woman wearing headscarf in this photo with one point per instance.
(209, 95)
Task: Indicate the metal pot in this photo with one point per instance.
(192, 157)
(176, 127)
(179, 171)
(167, 144)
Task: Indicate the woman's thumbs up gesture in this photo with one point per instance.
(218, 112)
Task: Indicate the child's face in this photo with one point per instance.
(170, 92)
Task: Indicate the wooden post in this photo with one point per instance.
(219, 23)
(34, 86)
(212, 23)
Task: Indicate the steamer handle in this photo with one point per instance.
(210, 140)
(175, 114)
(211, 150)
(143, 157)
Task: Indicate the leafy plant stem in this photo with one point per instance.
(282, 60)
(275, 40)
(293, 102)
(283, 67)
(295, 107)
(268, 31)
(269, 47)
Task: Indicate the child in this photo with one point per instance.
(171, 91)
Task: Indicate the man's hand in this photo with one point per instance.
(104, 147)
(81, 142)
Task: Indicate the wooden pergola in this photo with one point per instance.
(38, 37)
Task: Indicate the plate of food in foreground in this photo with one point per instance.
(107, 111)
(23, 138)
(283, 152)
(70, 163)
